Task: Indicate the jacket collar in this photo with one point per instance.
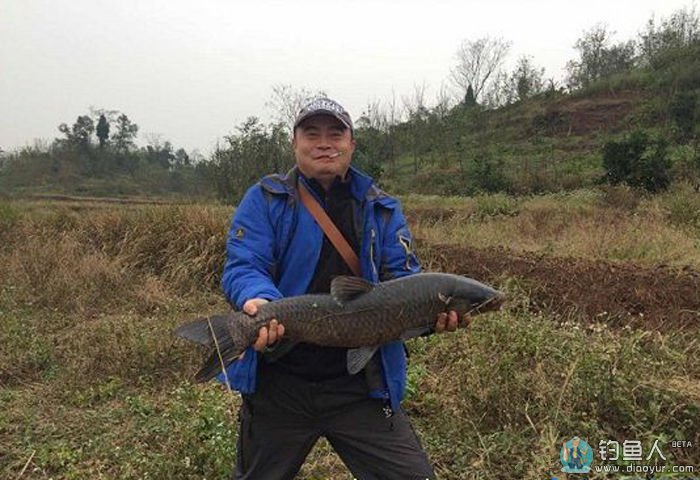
(361, 185)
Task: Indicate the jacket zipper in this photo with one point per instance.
(371, 253)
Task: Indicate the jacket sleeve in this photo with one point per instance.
(398, 251)
(250, 252)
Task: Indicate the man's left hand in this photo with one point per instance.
(450, 321)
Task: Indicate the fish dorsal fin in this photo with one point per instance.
(344, 288)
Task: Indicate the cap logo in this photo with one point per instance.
(321, 105)
(324, 104)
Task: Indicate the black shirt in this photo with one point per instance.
(313, 362)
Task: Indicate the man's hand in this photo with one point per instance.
(450, 321)
(266, 335)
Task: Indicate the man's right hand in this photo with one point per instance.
(267, 335)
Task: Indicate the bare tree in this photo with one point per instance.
(497, 92)
(414, 104)
(443, 101)
(393, 110)
(477, 62)
(417, 113)
(373, 116)
(286, 101)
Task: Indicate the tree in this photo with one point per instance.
(79, 134)
(469, 98)
(182, 159)
(598, 57)
(287, 101)
(254, 151)
(477, 63)
(443, 102)
(414, 128)
(102, 130)
(527, 79)
(679, 31)
(125, 134)
(160, 154)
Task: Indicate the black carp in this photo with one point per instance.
(356, 314)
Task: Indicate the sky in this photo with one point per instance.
(191, 71)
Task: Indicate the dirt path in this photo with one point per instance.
(615, 293)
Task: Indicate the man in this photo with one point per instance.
(275, 249)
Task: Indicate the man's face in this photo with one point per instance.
(323, 147)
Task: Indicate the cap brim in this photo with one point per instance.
(322, 112)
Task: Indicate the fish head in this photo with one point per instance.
(469, 296)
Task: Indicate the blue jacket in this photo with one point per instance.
(274, 245)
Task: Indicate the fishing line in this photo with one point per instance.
(218, 353)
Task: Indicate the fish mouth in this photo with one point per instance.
(491, 304)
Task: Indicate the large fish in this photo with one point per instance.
(356, 314)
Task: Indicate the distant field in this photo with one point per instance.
(599, 339)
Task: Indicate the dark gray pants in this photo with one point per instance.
(283, 419)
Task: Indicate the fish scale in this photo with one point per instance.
(356, 314)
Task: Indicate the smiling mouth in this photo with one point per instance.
(330, 157)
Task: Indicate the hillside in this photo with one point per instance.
(548, 143)
(551, 141)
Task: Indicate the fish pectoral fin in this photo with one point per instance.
(415, 332)
(359, 357)
(345, 288)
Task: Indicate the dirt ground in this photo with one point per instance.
(617, 294)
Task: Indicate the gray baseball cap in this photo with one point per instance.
(324, 106)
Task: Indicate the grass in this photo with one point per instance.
(611, 224)
(93, 384)
(512, 387)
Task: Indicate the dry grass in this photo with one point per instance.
(582, 224)
(137, 257)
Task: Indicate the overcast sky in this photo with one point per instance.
(190, 71)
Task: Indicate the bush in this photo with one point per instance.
(682, 206)
(486, 173)
(683, 111)
(639, 161)
(685, 161)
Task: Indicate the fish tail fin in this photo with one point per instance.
(203, 330)
(227, 347)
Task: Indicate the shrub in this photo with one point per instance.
(685, 161)
(639, 161)
(683, 111)
(486, 173)
(682, 206)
